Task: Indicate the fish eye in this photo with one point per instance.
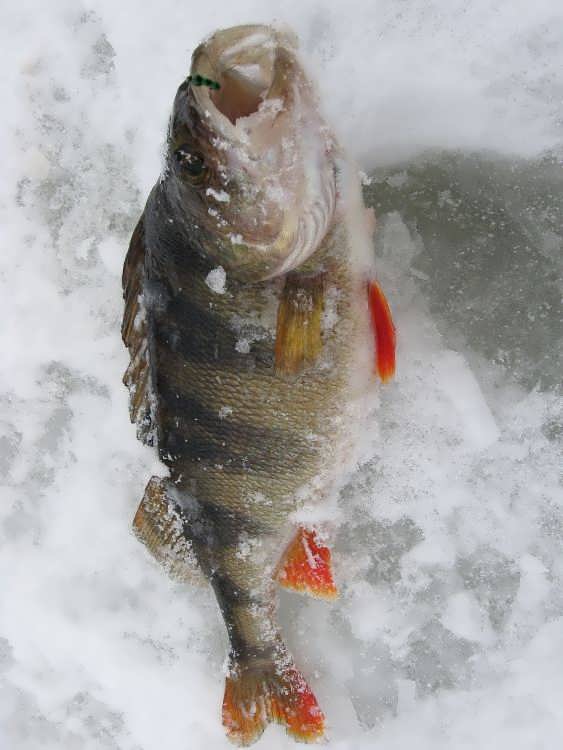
(190, 163)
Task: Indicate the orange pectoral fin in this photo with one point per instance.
(307, 568)
(384, 332)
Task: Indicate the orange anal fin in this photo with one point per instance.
(158, 524)
(307, 568)
(384, 332)
(254, 697)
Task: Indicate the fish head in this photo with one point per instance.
(250, 158)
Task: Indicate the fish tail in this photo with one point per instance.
(256, 694)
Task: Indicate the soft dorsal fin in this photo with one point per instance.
(383, 330)
(298, 333)
(134, 333)
(306, 566)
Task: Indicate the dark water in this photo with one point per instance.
(491, 263)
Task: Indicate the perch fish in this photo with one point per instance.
(253, 319)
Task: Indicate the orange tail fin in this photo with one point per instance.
(307, 568)
(255, 696)
(384, 331)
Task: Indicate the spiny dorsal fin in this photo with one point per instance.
(158, 523)
(306, 566)
(134, 333)
(298, 333)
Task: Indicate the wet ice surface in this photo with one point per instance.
(448, 633)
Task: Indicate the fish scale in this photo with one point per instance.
(273, 457)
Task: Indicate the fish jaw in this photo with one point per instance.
(269, 194)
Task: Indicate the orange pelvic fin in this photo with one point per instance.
(307, 568)
(255, 696)
(384, 332)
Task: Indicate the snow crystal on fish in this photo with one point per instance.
(216, 280)
(218, 195)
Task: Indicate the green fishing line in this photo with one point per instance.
(198, 80)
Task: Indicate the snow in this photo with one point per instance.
(218, 195)
(216, 280)
(449, 629)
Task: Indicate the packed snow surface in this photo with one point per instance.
(448, 551)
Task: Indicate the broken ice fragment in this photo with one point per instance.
(216, 280)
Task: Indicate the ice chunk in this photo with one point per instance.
(465, 619)
(216, 280)
(456, 380)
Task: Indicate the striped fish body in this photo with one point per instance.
(247, 388)
(246, 444)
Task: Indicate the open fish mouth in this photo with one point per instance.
(243, 89)
(244, 85)
(242, 61)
